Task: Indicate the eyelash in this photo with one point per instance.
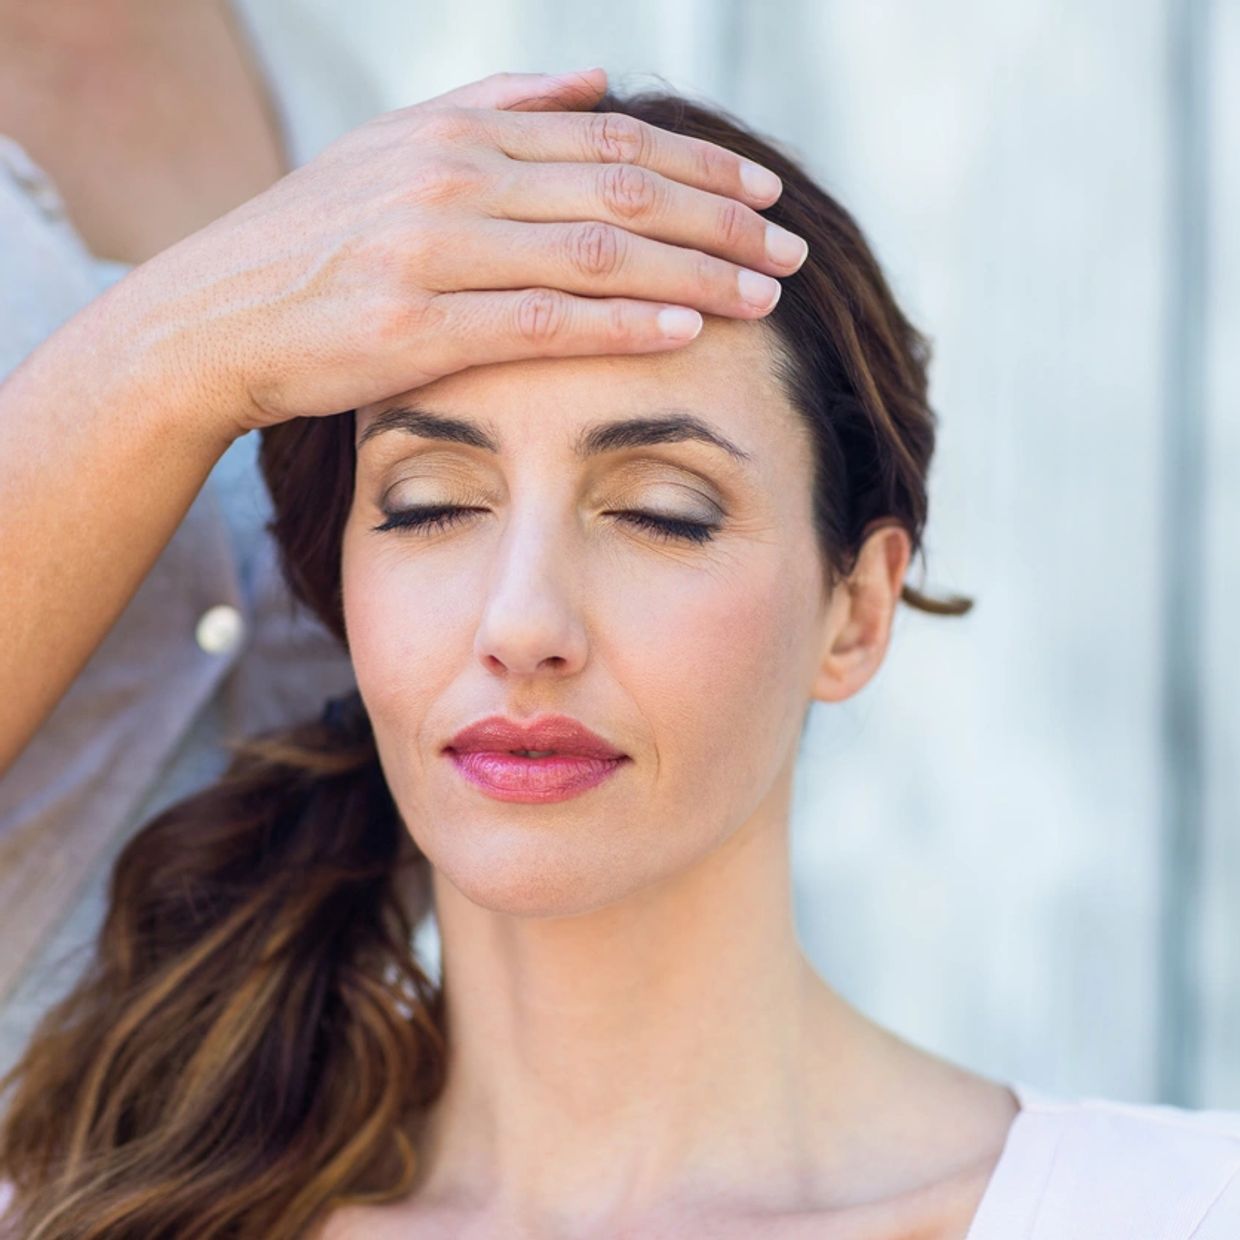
(430, 520)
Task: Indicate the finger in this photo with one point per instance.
(594, 258)
(648, 204)
(613, 137)
(527, 91)
(481, 327)
(565, 92)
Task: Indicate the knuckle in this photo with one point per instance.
(373, 253)
(628, 190)
(617, 325)
(404, 319)
(733, 222)
(442, 177)
(594, 248)
(445, 124)
(541, 315)
(402, 254)
(418, 252)
(707, 270)
(710, 163)
(618, 138)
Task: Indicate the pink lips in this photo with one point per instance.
(580, 759)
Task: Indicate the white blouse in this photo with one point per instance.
(1089, 1169)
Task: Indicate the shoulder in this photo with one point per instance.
(1136, 1131)
(1133, 1169)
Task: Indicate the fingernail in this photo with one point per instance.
(679, 323)
(757, 289)
(759, 182)
(785, 247)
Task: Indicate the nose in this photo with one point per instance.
(531, 621)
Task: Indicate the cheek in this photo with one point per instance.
(406, 642)
(715, 661)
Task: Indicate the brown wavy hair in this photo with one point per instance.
(255, 1040)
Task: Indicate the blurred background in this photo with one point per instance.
(1020, 845)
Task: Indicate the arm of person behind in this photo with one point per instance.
(101, 455)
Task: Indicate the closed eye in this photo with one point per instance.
(432, 519)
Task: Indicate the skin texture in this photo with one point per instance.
(638, 1040)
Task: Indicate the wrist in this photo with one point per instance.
(152, 355)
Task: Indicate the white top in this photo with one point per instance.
(1088, 1169)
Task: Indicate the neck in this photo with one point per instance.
(636, 1058)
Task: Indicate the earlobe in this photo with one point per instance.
(857, 626)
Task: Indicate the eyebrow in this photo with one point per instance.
(658, 426)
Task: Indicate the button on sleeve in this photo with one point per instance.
(220, 629)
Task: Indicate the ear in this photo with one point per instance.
(857, 625)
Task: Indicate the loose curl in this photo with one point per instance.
(255, 1041)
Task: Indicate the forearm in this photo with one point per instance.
(103, 446)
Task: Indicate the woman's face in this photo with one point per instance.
(694, 653)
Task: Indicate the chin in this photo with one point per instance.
(526, 873)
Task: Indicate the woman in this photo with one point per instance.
(588, 602)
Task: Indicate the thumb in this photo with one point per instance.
(528, 92)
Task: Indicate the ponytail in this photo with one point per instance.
(254, 1035)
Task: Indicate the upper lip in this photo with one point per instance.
(556, 732)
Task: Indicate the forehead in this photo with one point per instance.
(726, 373)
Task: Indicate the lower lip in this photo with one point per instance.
(509, 777)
